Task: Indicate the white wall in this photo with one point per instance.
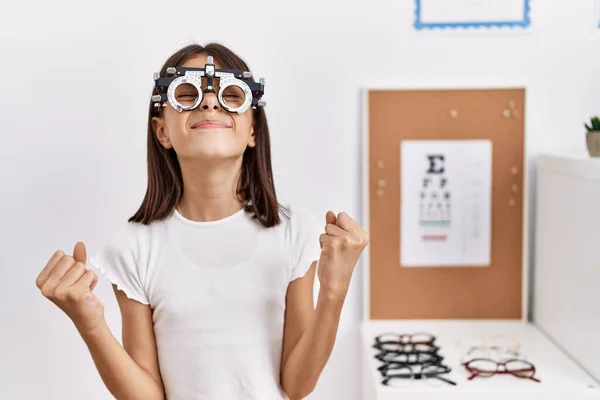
(76, 80)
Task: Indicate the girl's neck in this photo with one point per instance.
(209, 194)
(205, 210)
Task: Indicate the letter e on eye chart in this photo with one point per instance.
(445, 206)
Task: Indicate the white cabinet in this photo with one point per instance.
(566, 273)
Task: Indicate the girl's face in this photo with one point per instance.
(207, 132)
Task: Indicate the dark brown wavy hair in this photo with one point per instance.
(255, 188)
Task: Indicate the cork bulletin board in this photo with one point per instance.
(437, 290)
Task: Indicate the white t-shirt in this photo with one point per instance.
(217, 290)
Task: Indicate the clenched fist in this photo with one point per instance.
(341, 246)
(66, 282)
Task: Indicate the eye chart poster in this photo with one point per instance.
(445, 215)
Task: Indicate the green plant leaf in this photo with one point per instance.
(594, 124)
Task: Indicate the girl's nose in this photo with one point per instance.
(210, 101)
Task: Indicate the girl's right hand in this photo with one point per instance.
(66, 282)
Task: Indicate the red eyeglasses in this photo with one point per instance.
(486, 367)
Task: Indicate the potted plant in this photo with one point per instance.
(593, 136)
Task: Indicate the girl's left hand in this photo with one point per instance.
(341, 246)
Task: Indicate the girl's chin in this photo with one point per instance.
(208, 154)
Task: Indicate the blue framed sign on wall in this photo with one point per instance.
(478, 14)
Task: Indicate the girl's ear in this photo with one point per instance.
(158, 125)
(251, 137)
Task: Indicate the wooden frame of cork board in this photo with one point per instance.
(498, 291)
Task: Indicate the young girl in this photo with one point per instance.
(213, 276)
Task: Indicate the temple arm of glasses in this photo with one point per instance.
(533, 378)
(444, 379)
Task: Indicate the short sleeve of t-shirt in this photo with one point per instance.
(305, 230)
(118, 262)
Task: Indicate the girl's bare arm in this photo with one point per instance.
(130, 371)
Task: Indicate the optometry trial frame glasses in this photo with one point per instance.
(186, 88)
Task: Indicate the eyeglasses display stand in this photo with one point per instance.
(494, 343)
